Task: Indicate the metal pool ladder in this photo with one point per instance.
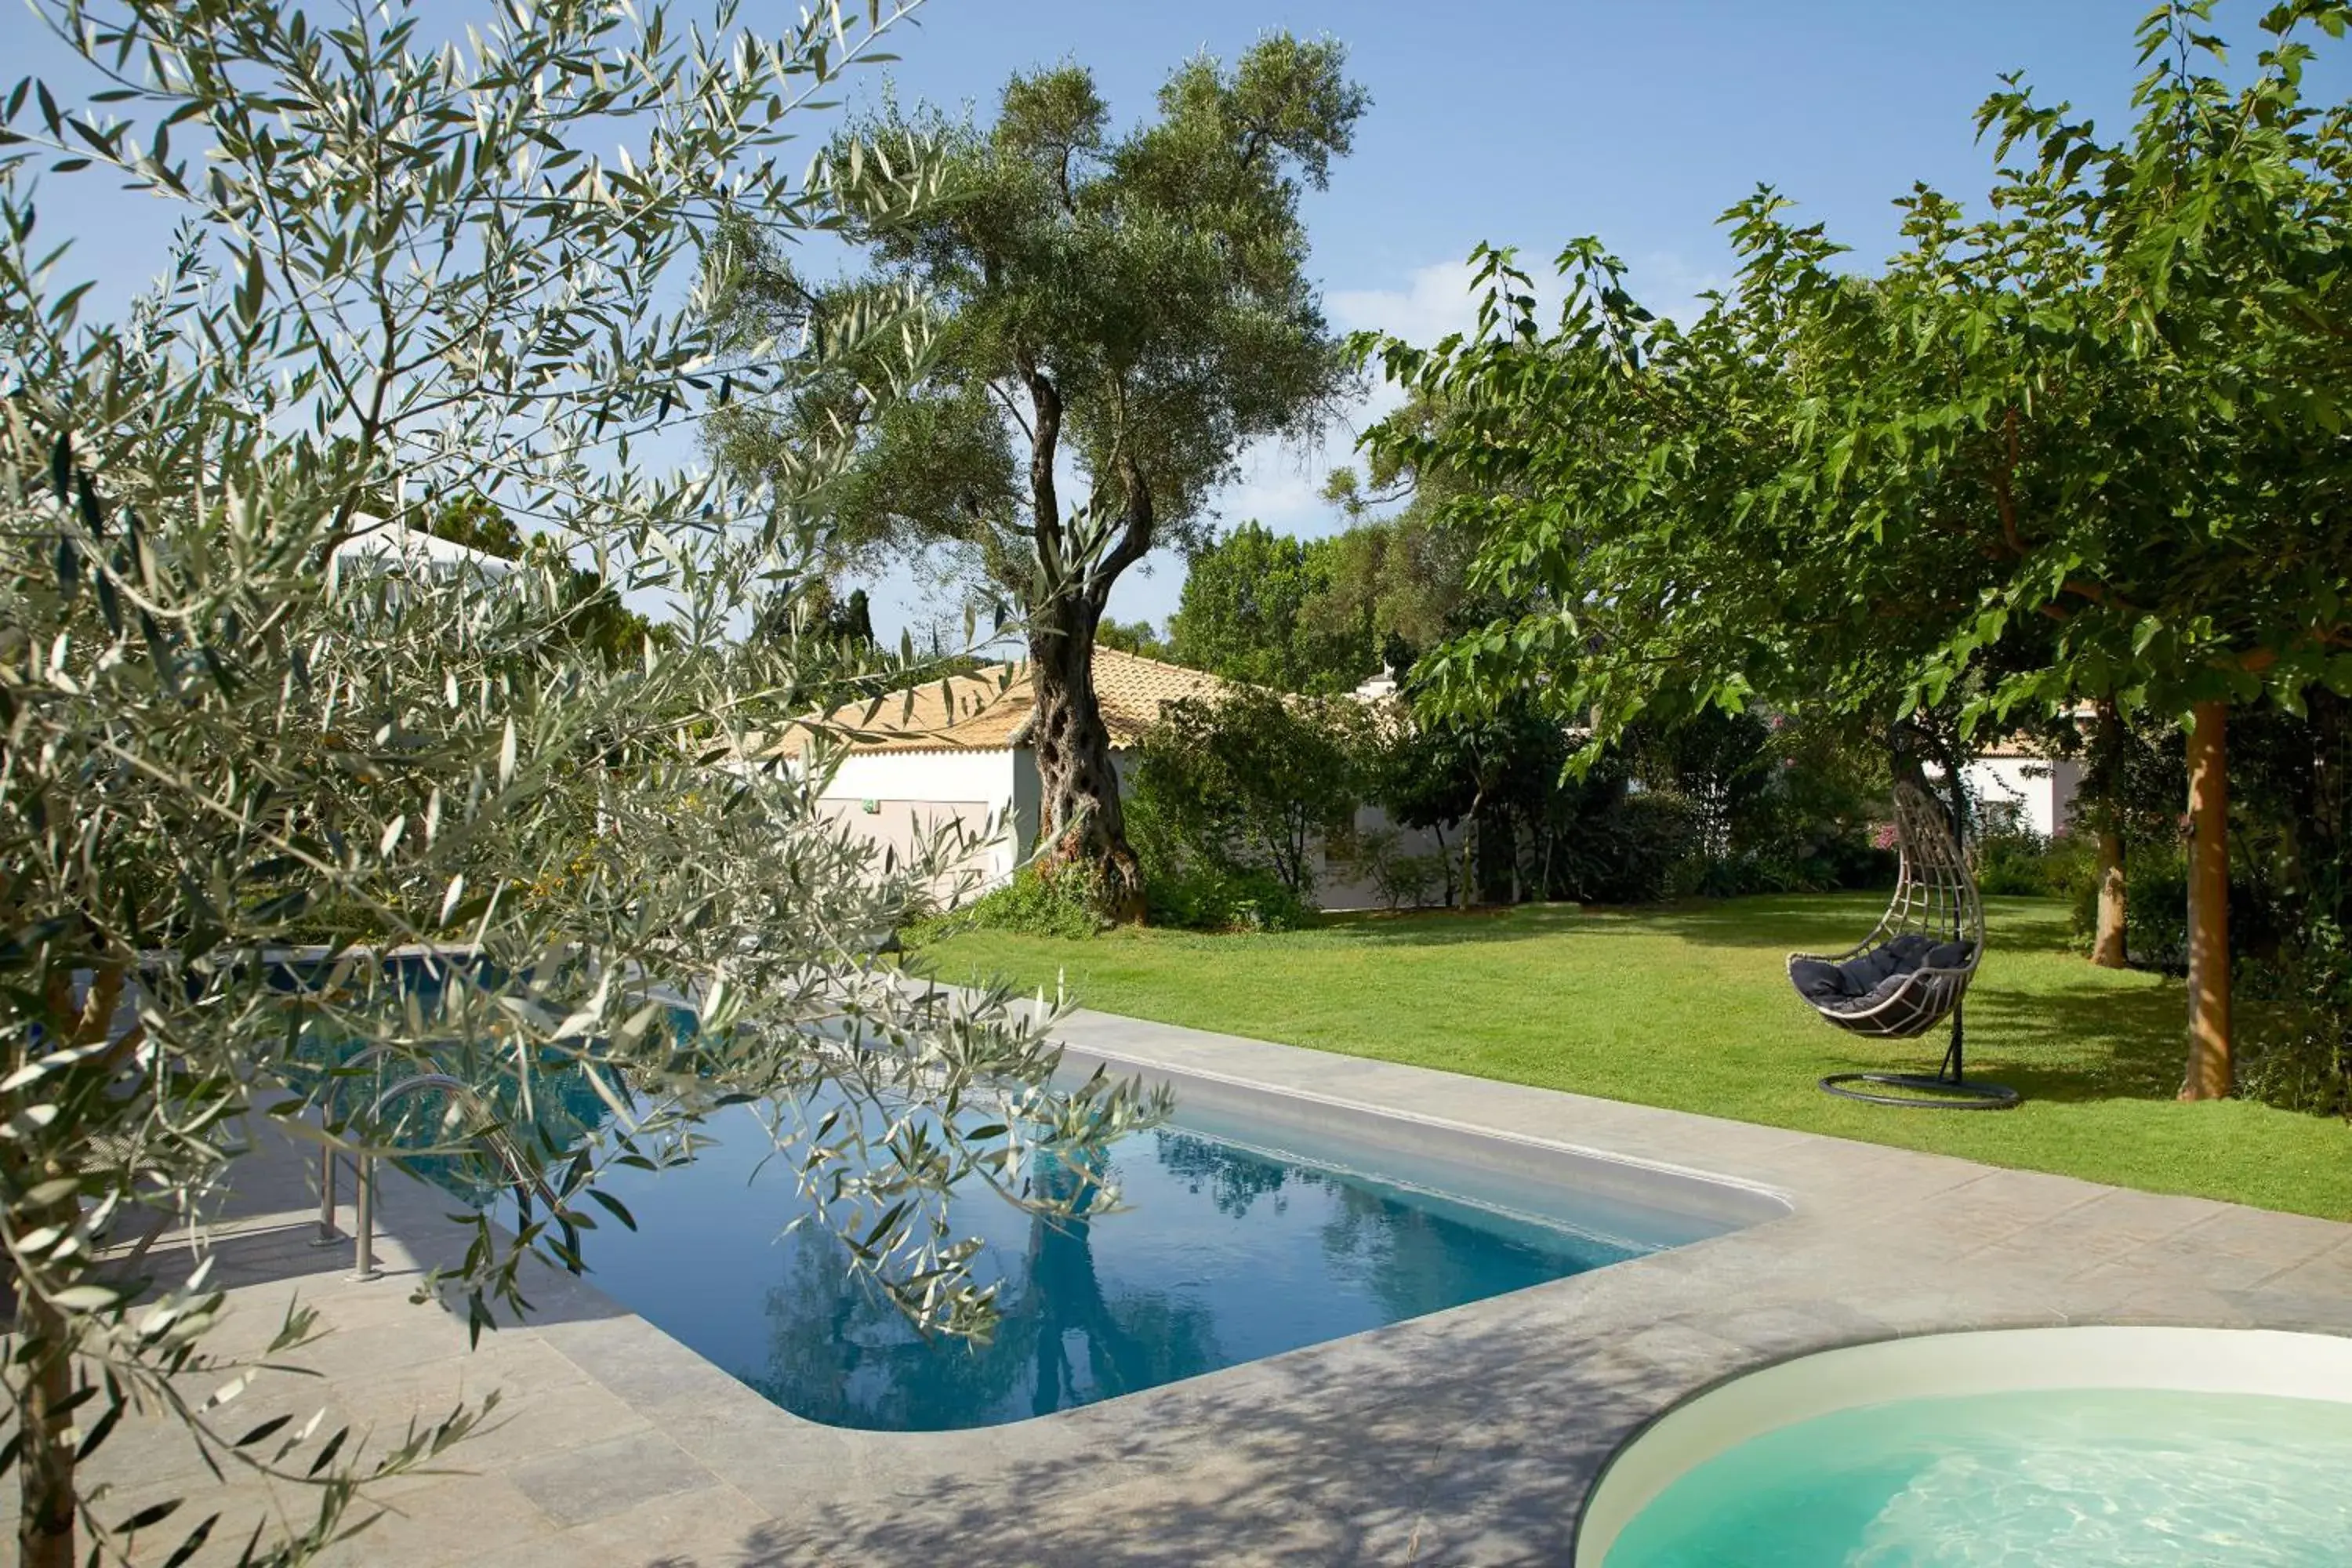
(497, 1145)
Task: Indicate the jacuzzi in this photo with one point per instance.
(2108, 1446)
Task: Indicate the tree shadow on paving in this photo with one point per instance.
(1464, 1456)
(270, 1236)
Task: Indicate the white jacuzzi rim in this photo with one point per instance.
(2178, 1359)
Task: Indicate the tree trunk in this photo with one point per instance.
(1083, 824)
(2108, 947)
(2208, 1077)
(2331, 803)
(1470, 837)
(45, 1468)
(45, 1412)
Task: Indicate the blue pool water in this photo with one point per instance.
(2108, 1478)
(1222, 1253)
(1239, 1235)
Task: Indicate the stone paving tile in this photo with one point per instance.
(530, 1423)
(1467, 1436)
(465, 1518)
(2179, 1256)
(1687, 1353)
(643, 1367)
(710, 1527)
(2327, 1275)
(782, 1470)
(2149, 1216)
(594, 1479)
(2283, 1241)
(567, 1549)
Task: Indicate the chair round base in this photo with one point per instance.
(1926, 1092)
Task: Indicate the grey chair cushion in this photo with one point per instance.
(1896, 957)
(1821, 982)
(1863, 984)
(1877, 995)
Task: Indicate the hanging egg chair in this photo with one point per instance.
(1911, 972)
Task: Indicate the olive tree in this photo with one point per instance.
(1133, 304)
(402, 274)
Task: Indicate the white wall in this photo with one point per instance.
(1339, 886)
(907, 791)
(890, 798)
(2043, 789)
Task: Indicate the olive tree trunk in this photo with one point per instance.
(2208, 1077)
(43, 1364)
(45, 1465)
(2108, 946)
(1084, 828)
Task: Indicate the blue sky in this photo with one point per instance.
(1528, 124)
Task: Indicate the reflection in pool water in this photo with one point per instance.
(1223, 1254)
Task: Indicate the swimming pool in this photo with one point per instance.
(1257, 1224)
(2119, 1448)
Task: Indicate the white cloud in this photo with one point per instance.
(1281, 486)
(1435, 299)
(1670, 285)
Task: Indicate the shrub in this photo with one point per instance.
(2155, 912)
(2015, 861)
(1627, 852)
(1191, 890)
(2295, 1042)
(1252, 782)
(1401, 881)
(1033, 903)
(1221, 898)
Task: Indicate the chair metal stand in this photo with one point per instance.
(1948, 1089)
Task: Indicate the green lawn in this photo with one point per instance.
(1689, 1008)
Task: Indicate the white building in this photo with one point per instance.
(388, 549)
(2014, 779)
(957, 753)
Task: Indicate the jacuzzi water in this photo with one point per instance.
(2033, 1479)
(1222, 1253)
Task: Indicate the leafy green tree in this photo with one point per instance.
(1243, 614)
(478, 522)
(1320, 614)
(1256, 780)
(1135, 304)
(1394, 587)
(595, 617)
(812, 609)
(1137, 637)
(218, 737)
(2085, 448)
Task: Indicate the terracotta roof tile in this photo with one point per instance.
(991, 710)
